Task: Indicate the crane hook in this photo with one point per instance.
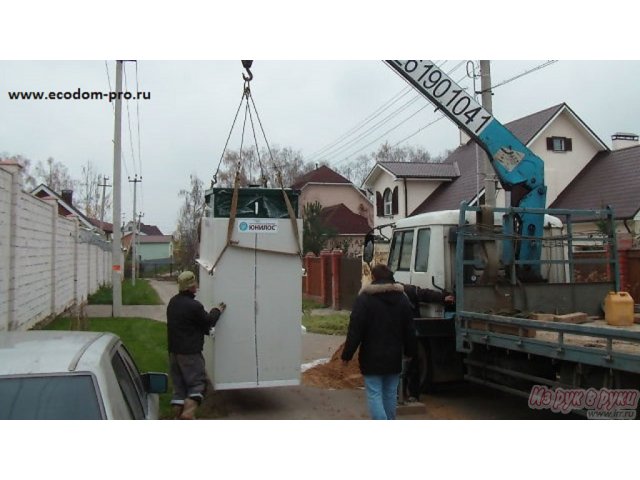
(247, 66)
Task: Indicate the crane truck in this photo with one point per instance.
(522, 320)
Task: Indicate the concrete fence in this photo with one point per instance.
(48, 262)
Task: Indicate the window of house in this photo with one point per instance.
(559, 144)
(388, 202)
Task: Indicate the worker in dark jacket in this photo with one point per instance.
(381, 324)
(187, 323)
(418, 295)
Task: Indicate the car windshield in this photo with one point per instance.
(69, 397)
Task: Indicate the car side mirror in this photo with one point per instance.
(155, 382)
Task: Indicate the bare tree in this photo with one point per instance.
(28, 180)
(256, 168)
(289, 163)
(54, 175)
(358, 169)
(188, 223)
(90, 192)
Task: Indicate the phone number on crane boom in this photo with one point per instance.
(446, 94)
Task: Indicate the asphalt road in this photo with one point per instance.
(462, 401)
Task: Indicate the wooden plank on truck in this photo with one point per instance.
(506, 329)
(575, 317)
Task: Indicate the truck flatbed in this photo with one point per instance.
(588, 341)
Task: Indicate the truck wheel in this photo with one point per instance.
(425, 367)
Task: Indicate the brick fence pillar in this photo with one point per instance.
(336, 260)
(325, 279)
(625, 242)
(307, 277)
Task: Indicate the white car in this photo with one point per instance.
(73, 375)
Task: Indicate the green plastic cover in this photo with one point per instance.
(270, 202)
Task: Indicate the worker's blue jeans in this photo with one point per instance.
(382, 393)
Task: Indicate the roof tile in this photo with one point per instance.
(344, 221)
(321, 174)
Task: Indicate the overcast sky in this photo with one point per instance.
(305, 105)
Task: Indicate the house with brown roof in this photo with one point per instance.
(346, 208)
(151, 245)
(156, 249)
(66, 208)
(557, 135)
(565, 143)
(350, 229)
(400, 187)
(612, 178)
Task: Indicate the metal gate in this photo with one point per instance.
(350, 281)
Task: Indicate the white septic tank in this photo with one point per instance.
(258, 273)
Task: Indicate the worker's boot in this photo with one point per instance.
(189, 410)
(177, 410)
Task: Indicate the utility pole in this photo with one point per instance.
(489, 175)
(140, 215)
(133, 237)
(103, 185)
(116, 252)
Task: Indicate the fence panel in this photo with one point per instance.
(43, 256)
(32, 254)
(5, 250)
(64, 263)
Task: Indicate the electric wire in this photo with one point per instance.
(215, 175)
(106, 66)
(394, 99)
(527, 72)
(139, 141)
(126, 89)
(376, 126)
(387, 119)
(362, 123)
(401, 123)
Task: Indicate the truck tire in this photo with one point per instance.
(425, 368)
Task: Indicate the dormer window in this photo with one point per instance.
(559, 144)
(388, 203)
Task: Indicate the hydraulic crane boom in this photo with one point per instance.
(519, 170)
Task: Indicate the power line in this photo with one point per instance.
(394, 99)
(126, 88)
(139, 141)
(385, 133)
(113, 107)
(527, 72)
(419, 130)
(375, 127)
(456, 67)
(362, 123)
